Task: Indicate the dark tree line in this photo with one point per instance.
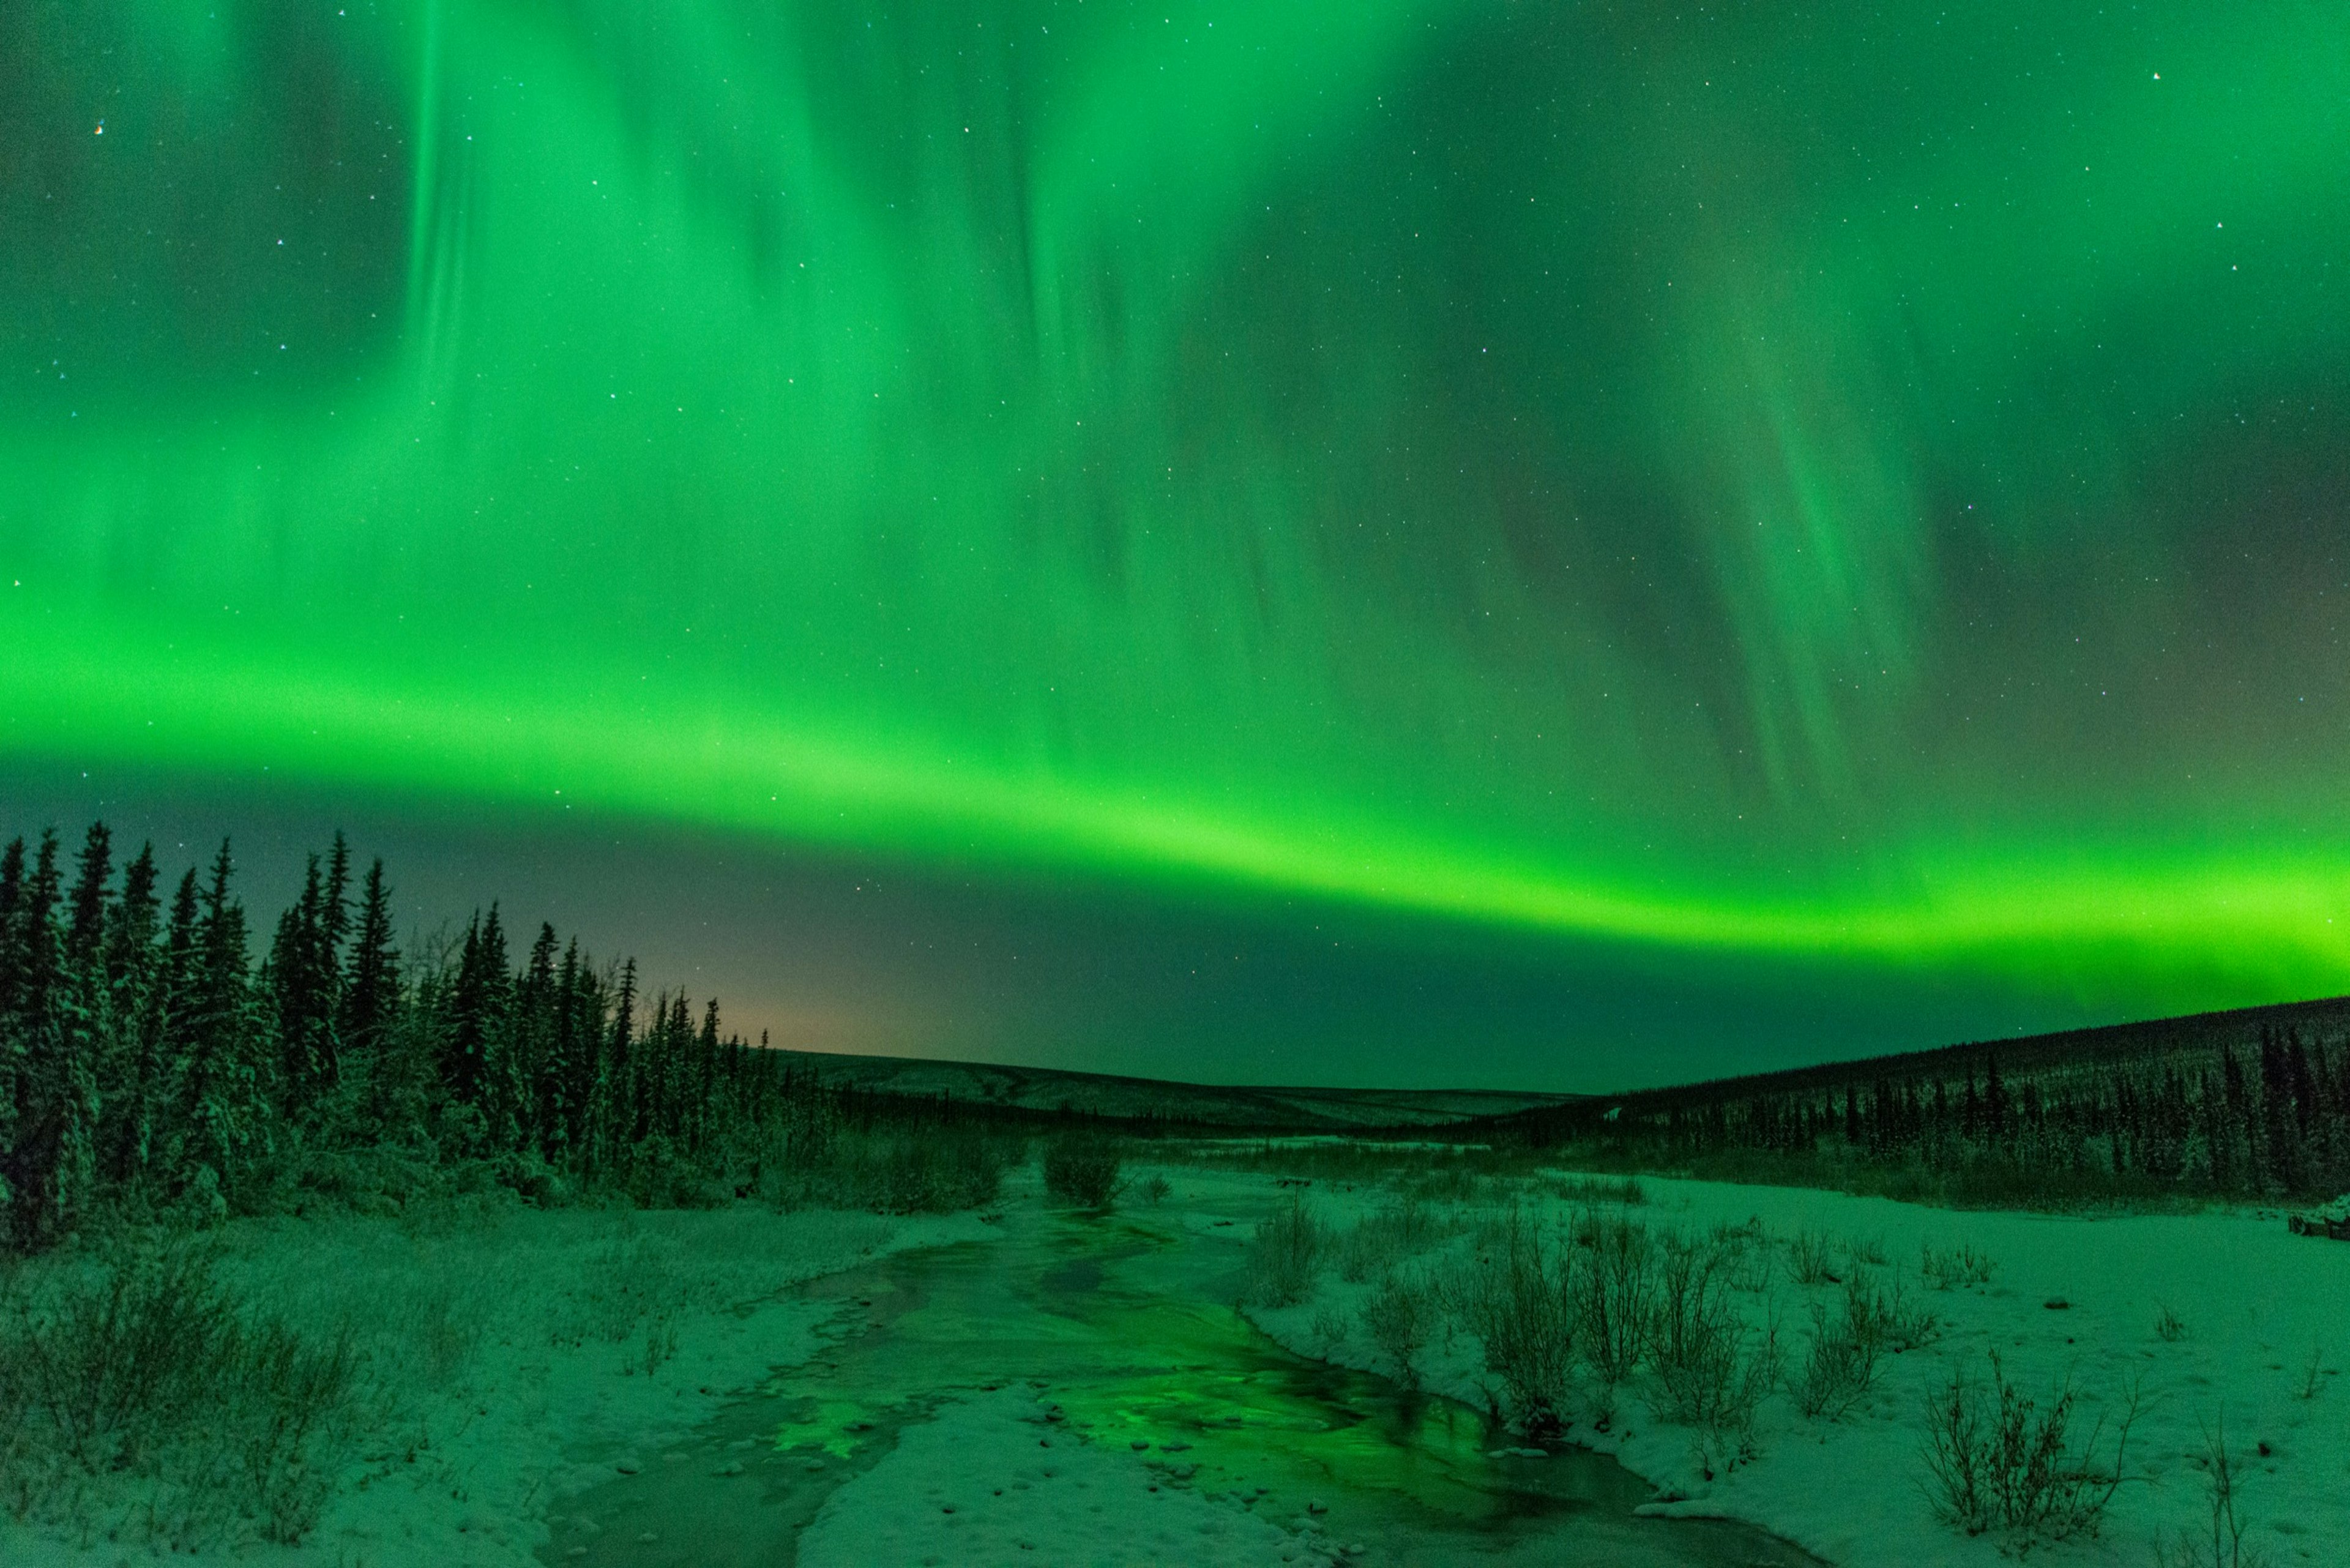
(2270, 1120)
(150, 1064)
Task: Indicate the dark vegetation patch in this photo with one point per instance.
(2252, 1104)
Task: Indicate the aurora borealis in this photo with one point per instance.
(1834, 519)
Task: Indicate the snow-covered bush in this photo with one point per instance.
(1711, 1369)
(1515, 1297)
(1287, 1255)
(1949, 1268)
(1995, 1460)
(1082, 1170)
(1615, 1294)
(1377, 1241)
(2219, 1542)
(1811, 1259)
(1840, 1368)
(1399, 1317)
(144, 1365)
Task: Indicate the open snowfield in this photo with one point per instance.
(535, 1375)
(2212, 1316)
(511, 1355)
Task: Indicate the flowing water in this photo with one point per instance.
(1109, 1319)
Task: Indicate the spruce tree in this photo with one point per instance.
(479, 1057)
(127, 1089)
(305, 977)
(223, 1097)
(86, 927)
(86, 1036)
(40, 1020)
(621, 1074)
(537, 1065)
(580, 1029)
(370, 991)
(12, 1038)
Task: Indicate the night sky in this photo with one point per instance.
(1368, 541)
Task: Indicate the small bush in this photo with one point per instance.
(1615, 1294)
(1154, 1190)
(2168, 1324)
(1585, 1192)
(1811, 1259)
(1711, 1373)
(819, 1163)
(1398, 1317)
(1516, 1299)
(660, 1343)
(1864, 1253)
(143, 1364)
(1082, 1170)
(2221, 1543)
(1994, 1459)
(1949, 1269)
(1330, 1326)
(1746, 1255)
(1906, 1325)
(1285, 1255)
(630, 1280)
(1381, 1239)
(1840, 1368)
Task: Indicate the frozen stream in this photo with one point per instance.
(1126, 1325)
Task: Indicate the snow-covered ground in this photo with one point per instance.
(2212, 1316)
(985, 1482)
(508, 1354)
(513, 1348)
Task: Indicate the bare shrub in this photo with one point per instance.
(660, 1343)
(1747, 1256)
(1811, 1259)
(1154, 1190)
(143, 1364)
(1615, 1294)
(2312, 1374)
(2169, 1326)
(818, 1162)
(1906, 1325)
(1083, 1170)
(1711, 1371)
(1587, 1191)
(2220, 1542)
(1399, 1316)
(1515, 1298)
(1949, 1268)
(1840, 1367)
(1865, 1252)
(1995, 1460)
(1381, 1239)
(119, 1357)
(628, 1280)
(1286, 1255)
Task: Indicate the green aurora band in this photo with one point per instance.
(1859, 488)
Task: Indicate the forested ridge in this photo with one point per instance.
(158, 1060)
(2253, 1103)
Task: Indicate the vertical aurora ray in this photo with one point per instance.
(1863, 491)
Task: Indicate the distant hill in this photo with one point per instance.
(2193, 1040)
(1206, 1104)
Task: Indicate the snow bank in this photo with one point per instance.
(2209, 1315)
(517, 1354)
(992, 1482)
